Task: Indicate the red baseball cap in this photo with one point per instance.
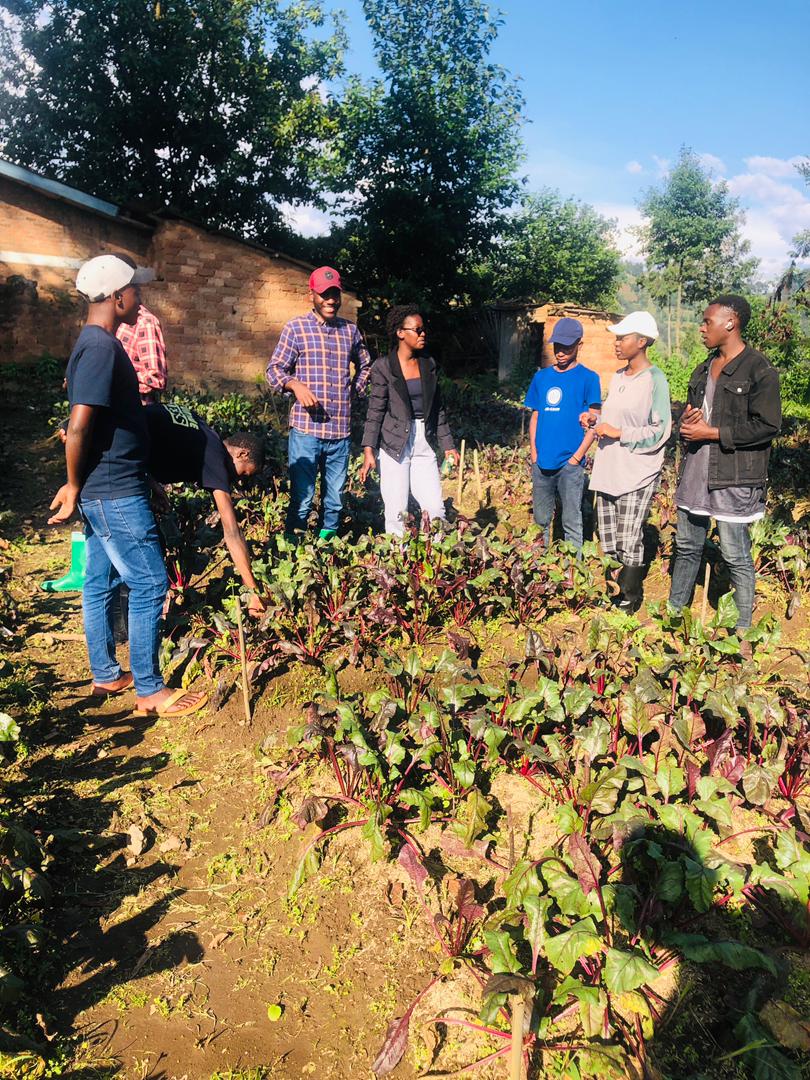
(324, 278)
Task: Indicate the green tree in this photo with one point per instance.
(553, 248)
(426, 156)
(691, 237)
(210, 106)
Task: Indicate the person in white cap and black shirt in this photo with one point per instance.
(106, 451)
(633, 429)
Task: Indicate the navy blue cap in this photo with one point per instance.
(566, 332)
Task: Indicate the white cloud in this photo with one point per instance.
(771, 166)
(767, 243)
(634, 167)
(306, 220)
(627, 218)
(662, 165)
(713, 163)
(775, 209)
(762, 188)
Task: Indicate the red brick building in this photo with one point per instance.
(222, 300)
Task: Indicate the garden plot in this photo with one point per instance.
(465, 780)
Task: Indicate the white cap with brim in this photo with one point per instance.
(638, 322)
(100, 277)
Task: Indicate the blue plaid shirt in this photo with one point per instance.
(320, 354)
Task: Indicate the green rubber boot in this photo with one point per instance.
(74, 578)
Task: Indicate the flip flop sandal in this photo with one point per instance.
(103, 692)
(166, 708)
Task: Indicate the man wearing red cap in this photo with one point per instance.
(319, 358)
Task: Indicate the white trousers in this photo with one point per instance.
(417, 474)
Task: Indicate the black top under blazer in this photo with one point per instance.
(390, 414)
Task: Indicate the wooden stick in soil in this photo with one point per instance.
(477, 468)
(460, 474)
(243, 660)
(516, 1056)
(705, 600)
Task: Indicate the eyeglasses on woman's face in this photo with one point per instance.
(418, 330)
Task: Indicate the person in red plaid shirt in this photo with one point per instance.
(143, 344)
(319, 358)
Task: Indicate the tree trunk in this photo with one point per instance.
(669, 324)
(678, 319)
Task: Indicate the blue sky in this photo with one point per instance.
(614, 88)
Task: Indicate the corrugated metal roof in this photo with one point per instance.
(56, 188)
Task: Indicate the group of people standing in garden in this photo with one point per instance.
(731, 417)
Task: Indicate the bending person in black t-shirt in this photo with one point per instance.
(106, 449)
(184, 449)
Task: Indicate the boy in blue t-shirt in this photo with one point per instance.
(557, 396)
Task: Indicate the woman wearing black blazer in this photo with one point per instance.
(404, 411)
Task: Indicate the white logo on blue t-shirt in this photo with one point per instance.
(554, 396)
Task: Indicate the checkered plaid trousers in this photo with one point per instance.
(621, 523)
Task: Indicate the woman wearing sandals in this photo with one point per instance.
(633, 429)
(404, 411)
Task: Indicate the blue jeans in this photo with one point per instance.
(123, 546)
(569, 481)
(309, 454)
(735, 546)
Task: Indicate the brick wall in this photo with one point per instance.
(222, 303)
(40, 310)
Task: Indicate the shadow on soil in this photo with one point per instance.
(90, 949)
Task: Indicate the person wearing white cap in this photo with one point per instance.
(633, 429)
(106, 451)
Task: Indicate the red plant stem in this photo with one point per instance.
(336, 766)
(534, 783)
(335, 829)
(484, 1060)
(742, 832)
(399, 786)
(347, 799)
(615, 742)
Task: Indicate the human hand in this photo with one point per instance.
(690, 414)
(303, 394)
(61, 433)
(588, 419)
(160, 500)
(64, 502)
(695, 429)
(608, 431)
(369, 464)
(256, 606)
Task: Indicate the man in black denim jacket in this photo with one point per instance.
(732, 416)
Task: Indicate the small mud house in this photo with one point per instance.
(222, 300)
(525, 329)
